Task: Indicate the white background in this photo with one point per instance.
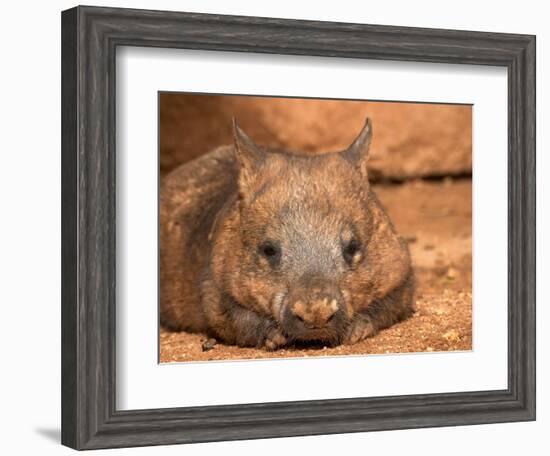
(142, 383)
(30, 241)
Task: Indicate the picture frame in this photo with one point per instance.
(90, 36)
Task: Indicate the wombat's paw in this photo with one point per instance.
(209, 344)
(361, 328)
(274, 339)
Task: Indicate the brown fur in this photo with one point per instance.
(265, 248)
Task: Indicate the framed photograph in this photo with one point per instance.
(279, 228)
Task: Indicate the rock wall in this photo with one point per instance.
(409, 139)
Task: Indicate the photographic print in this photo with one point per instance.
(294, 227)
(270, 209)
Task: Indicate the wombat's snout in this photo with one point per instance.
(314, 314)
(311, 307)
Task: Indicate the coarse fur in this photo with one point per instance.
(265, 248)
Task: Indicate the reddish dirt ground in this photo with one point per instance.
(436, 218)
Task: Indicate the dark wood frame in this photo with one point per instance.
(89, 39)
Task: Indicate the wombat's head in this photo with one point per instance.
(301, 236)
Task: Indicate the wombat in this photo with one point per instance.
(268, 248)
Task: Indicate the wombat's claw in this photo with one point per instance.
(274, 339)
(359, 330)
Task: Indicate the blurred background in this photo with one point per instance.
(410, 140)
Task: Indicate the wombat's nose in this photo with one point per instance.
(315, 314)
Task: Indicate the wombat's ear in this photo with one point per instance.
(249, 156)
(358, 152)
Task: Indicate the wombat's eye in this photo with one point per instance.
(350, 250)
(270, 250)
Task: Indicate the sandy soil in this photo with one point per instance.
(435, 217)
